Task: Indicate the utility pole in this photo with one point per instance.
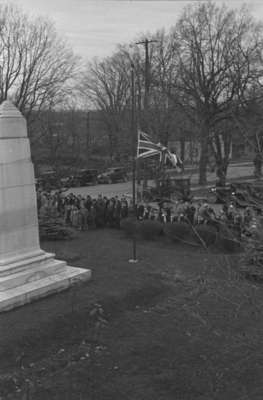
(147, 80)
(88, 132)
(147, 71)
(134, 154)
(134, 141)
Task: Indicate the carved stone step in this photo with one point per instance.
(42, 287)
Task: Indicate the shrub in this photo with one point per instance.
(227, 241)
(206, 232)
(252, 273)
(54, 229)
(130, 226)
(177, 231)
(150, 230)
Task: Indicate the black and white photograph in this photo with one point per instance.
(131, 200)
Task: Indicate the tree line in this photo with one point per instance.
(202, 77)
(205, 73)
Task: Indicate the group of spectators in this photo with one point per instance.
(85, 212)
(239, 220)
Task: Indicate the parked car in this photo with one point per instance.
(113, 175)
(84, 177)
(66, 182)
(47, 181)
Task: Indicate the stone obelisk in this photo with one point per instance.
(26, 271)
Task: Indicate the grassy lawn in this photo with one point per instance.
(177, 325)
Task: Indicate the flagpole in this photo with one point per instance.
(133, 132)
(134, 162)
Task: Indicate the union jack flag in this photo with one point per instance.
(147, 148)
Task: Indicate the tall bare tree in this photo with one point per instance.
(106, 84)
(35, 63)
(215, 59)
(249, 124)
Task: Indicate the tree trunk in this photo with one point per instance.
(221, 172)
(203, 159)
(182, 150)
(257, 166)
(222, 148)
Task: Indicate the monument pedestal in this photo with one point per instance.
(36, 276)
(26, 271)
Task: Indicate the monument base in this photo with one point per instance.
(34, 276)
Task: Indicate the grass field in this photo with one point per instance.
(177, 325)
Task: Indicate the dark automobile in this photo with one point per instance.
(67, 181)
(113, 175)
(47, 181)
(84, 177)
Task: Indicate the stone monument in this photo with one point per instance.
(26, 271)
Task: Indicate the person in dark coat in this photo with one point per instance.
(117, 213)
(99, 207)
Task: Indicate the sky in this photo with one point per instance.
(93, 28)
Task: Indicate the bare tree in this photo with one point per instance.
(106, 84)
(214, 59)
(36, 63)
(249, 123)
(56, 133)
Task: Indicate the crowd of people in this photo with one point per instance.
(84, 212)
(195, 213)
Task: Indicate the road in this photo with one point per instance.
(118, 189)
(234, 171)
(110, 190)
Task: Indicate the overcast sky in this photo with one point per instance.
(94, 27)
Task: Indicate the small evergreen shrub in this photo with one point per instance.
(177, 231)
(130, 226)
(54, 229)
(227, 241)
(150, 230)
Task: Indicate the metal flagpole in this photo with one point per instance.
(134, 162)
